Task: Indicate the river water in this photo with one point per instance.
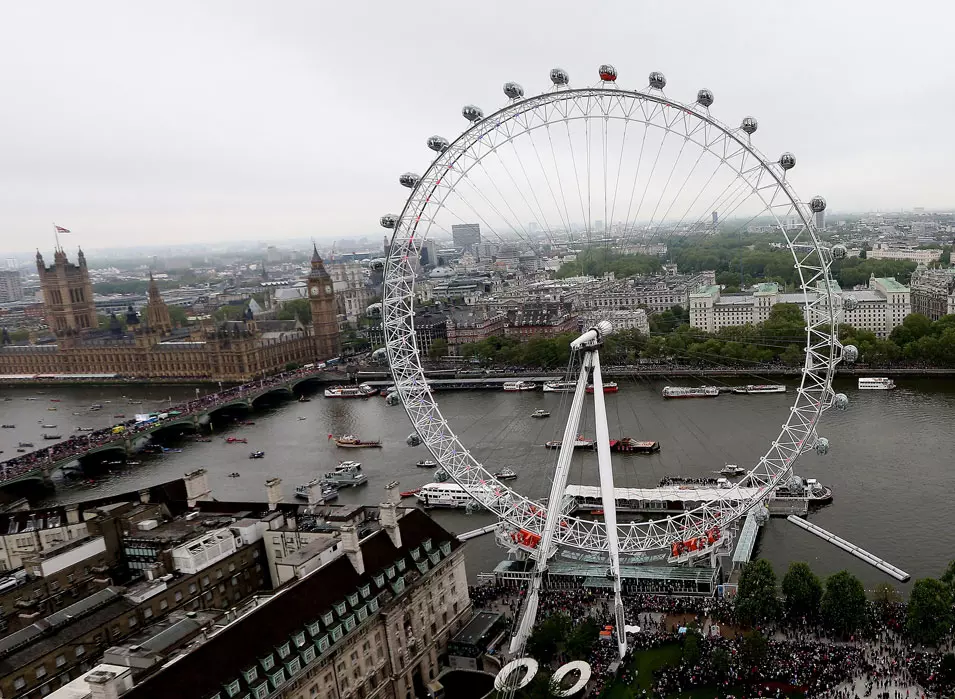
(890, 463)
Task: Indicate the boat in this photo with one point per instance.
(348, 441)
(119, 416)
(505, 474)
(52, 436)
(560, 386)
(84, 429)
(48, 427)
(409, 493)
(596, 512)
(629, 445)
(690, 392)
(732, 470)
(609, 387)
(341, 478)
(345, 465)
(257, 455)
(25, 444)
(520, 386)
(428, 463)
(540, 413)
(876, 384)
(21, 451)
(167, 450)
(234, 474)
(579, 443)
(449, 495)
(133, 463)
(29, 399)
(302, 417)
(54, 400)
(8, 427)
(329, 492)
(760, 388)
(51, 408)
(303, 399)
(203, 439)
(96, 406)
(246, 423)
(361, 391)
(236, 440)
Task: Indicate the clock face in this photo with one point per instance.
(314, 291)
(328, 289)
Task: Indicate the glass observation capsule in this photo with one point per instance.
(841, 401)
(817, 204)
(749, 125)
(388, 221)
(408, 179)
(657, 80)
(850, 302)
(839, 252)
(438, 144)
(822, 446)
(472, 113)
(704, 97)
(559, 76)
(413, 440)
(850, 353)
(787, 161)
(513, 90)
(607, 73)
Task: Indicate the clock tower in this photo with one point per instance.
(321, 297)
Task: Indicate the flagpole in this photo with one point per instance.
(56, 235)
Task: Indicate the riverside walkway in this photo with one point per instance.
(39, 464)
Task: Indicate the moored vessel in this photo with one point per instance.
(876, 384)
(732, 470)
(635, 446)
(361, 391)
(760, 388)
(560, 386)
(345, 477)
(449, 495)
(609, 387)
(329, 492)
(349, 441)
(236, 440)
(580, 443)
(690, 392)
(519, 386)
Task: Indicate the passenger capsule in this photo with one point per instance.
(704, 98)
(441, 476)
(472, 113)
(850, 302)
(817, 204)
(787, 161)
(559, 76)
(841, 401)
(657, 80)
(388, 221)
(839, 252)
(822, 446)
(513, 90)
(749, 125)
(413, 440)
(409, 180)
(607, 73)
(438, 144)
(850, 353)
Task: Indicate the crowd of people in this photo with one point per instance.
(794, 657)
(79, 444)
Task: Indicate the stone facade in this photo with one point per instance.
(933, 292)
(321, 295)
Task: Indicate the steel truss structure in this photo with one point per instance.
(760, 177)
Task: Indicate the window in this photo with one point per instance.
(192, 588)
(178, 596)
(284, 650)
(261, 691)
(132, 621)
(268, 662)
(337, 633)
(164, 604)
(299, 639)
(60, 660)
(218, 573)
(313, 628)
(41, 671)
(327, 619)
(323, 643)
(232, 688)
(293, 666)
(353, 599)
(339, 609)
(147, 613)
(277, 678)
(251, 675)
(19, 683)
(205, 580)
(80, 650)
(308, 655)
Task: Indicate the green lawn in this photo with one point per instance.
(645, 662)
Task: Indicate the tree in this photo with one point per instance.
(299, 308)
(547, 638)
(753, 649)
(178, 316)
(929, 617)
(756, 599)
(843, 603)
(439, 348)
(948, 577)
(582, 640)
(885, 593)
(691, 648)
(803, 591)
(229, 313)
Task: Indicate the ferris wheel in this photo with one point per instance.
(598, 164)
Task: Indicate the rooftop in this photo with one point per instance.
(477, 627)
(891, 284)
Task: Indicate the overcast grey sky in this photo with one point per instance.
(202, 120)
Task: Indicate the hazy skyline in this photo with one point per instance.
(208, 121)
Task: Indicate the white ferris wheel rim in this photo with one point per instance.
(768, 183)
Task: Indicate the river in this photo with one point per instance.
(890, 462)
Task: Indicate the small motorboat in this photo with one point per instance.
(54, 400)
(540, 413)
(51, 408)
(732, 470)
(410, 493)
(22, 451)
(52, 436)
(133, 463)
(84, 429)
(234, 474)
(48, 427)
(236, 440)
(257, 455)
(8, 427)
(302, 417)
(426, 463)
(505, 474)
(25, 444)
(119, 416)
(247, 423)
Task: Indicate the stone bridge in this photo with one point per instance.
(39, 464)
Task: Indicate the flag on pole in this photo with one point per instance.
(61, 229)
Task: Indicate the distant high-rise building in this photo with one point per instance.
(533, 227)
(820, 220)
(10, 287)
(466, 235)
(716, 218)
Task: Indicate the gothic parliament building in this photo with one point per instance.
(149, 347)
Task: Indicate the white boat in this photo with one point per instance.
(760, 388)
(505, 474)
(519, 386)
(360, 391)
(732, 470)
(690, 392)
(540, 413)
(560, 386)
(348, 465)
(876, 384)
(444, 495)
(329, 492)
(344, 477)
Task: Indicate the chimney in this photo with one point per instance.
(72, 514)
(351, 548)
(103, 685)
(388, 513)
(273, 490)
(197, 486)
(315, 496)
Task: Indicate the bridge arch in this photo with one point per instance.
(275, 390)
